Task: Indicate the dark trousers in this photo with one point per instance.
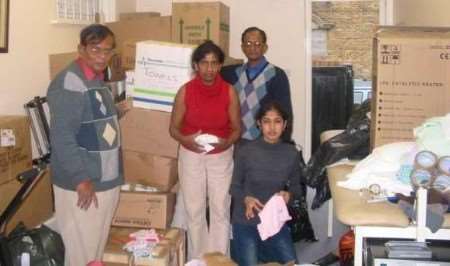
(248, 248)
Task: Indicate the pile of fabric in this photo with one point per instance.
(142, 243)
(396, 170)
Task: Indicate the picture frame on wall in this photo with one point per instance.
(4, 21)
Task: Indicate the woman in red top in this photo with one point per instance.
(206, 105)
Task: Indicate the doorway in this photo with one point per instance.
(321, 14)
(323, 217)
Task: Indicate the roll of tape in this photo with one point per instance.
(443, 165)
(425, 160)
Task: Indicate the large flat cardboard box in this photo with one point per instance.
(147, 131)
(144, 209)
(411, 81)
(150, 170)
(193, 23)
(161, 69)
(35, 209)
(168, 252)
(148, 28)
(15, 147)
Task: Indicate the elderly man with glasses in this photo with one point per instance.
(257, 82)
(85, 140)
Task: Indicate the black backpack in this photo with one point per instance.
(42, 245)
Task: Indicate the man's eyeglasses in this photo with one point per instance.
(253, 44)
(94, 50)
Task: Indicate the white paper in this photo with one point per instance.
(205, 140)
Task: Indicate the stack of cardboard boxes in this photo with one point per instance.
(149, 44)
(15, 158)
(190, 23)
(149, 156)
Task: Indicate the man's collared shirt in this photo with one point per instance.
(88, 72)
(253, 71)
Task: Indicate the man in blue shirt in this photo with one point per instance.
(257, 82)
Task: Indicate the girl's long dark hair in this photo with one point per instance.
(275, 106)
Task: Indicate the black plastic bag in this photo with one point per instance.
(301, 228)
(44, 246)
(357, 121)
(300, 223)
(323, 193)
(352, 143)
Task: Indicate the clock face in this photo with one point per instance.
(375, 189)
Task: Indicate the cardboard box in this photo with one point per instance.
(116, 71)
(15, 147)
(147, 131)
(129, 54)
(58, 62)
(161, 69)
(169, 252)
(411, 81)
(232, 61)
(36, 208)
(217, 259)
(150, 170)
(150, 28)
(144, 209)
(193, 23)
(137, 15)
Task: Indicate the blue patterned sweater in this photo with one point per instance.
(84, 132)
(271, 84)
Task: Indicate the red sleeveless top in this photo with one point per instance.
(207, 108)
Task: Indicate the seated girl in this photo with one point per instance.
(263, 168)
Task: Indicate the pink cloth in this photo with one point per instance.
(273, 216)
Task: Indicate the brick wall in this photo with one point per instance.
(350, 40)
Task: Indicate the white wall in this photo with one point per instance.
(162, 6)
(284, 23)
(422, 12)
(24, 70)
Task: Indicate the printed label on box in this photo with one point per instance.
(390, 54)
(7, 138)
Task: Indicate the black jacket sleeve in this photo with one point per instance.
(281, 92)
